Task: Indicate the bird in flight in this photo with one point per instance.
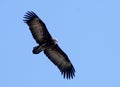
(48, 45)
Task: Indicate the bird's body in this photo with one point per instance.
(48, 45)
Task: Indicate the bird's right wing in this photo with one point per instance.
(37, 27)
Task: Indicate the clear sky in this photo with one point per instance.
(87, 30)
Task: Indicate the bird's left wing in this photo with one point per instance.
(60, 59)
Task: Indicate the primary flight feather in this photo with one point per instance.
(48, 45)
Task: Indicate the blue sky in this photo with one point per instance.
(87, 30)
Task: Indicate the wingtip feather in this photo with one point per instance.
(29, 16)
(69, 73)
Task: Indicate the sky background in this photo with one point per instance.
(87, 30)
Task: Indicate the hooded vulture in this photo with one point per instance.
(48, 45)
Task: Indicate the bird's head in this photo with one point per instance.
(55, 40)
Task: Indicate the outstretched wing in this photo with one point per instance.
(60, 59)
(37, 27)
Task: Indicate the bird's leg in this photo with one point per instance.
(38, 49)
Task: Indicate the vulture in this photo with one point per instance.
(48, 45)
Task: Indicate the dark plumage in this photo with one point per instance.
(48, 45)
